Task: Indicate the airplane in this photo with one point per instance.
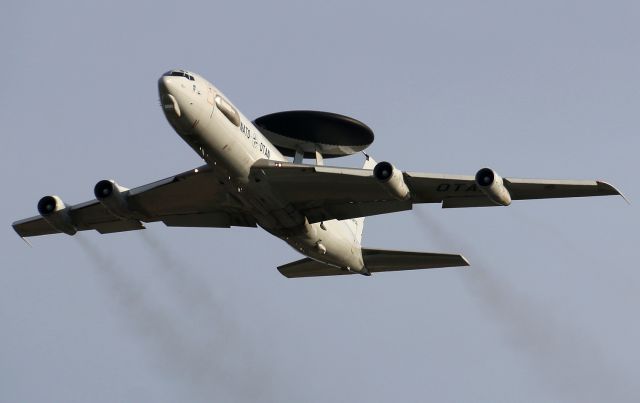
(317, 209)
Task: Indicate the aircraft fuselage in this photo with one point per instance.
(230, 144)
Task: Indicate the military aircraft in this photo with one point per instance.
(247, 181)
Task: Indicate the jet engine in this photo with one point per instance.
(491, 184)
(113, 197)
(53, 210)
(392, 180)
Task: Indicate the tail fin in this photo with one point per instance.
(357, 224)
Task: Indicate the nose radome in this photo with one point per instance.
(165, 84)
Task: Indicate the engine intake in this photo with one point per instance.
(392, 180)
(113, 197)
(492, 184)
(53, 210)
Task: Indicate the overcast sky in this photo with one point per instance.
(547, 312)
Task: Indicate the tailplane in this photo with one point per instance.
(376, 260)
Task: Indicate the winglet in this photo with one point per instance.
(610, 188)
(26, 241)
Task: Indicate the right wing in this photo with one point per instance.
(462, 191)
(190, 199)
(323, 193)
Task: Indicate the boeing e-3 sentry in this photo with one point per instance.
(247, 181)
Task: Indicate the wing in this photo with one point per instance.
(324, 193)
(190, 199)
(462, 191)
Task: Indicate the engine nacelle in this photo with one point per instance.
(53, 210)
(392, 180)
(113, 197)
(491, 184)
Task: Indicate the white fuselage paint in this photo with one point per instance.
(230, 150)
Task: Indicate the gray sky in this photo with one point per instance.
(532, 89)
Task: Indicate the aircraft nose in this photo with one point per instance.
(165, 84)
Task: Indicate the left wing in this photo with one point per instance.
(190, 199)
(324, 193)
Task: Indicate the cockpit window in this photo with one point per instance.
(176, 73)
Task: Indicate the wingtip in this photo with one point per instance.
(466, 262)
(614, 190)
(15, 228)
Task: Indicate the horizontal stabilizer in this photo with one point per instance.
(310, 268)
(375, 260)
